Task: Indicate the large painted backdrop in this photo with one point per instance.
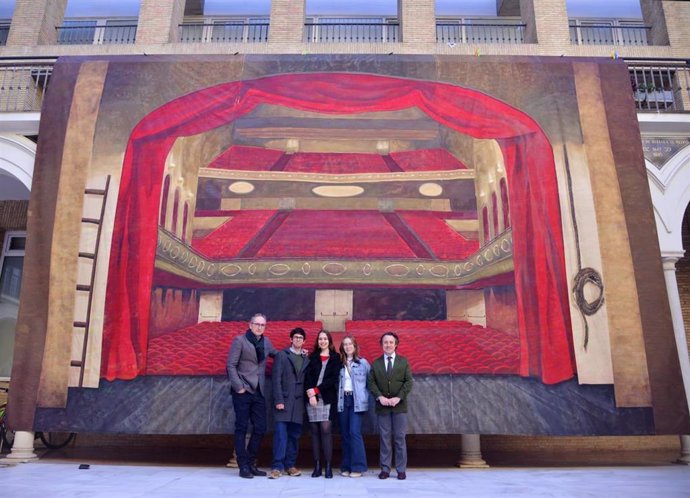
(492, 211)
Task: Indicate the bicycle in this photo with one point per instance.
(51, 440)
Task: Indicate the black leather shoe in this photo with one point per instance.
(384, 475)
(328, 471)
(256, 472)
(246, 473)
(402, 476)
(317, 469)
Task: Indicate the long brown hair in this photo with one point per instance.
(343, 355)
(317, 349)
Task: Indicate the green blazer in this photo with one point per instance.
(399, 384)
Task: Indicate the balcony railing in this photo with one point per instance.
(23, 84)
(453, 31)
(224, 32)
(92, 34)
(660, 86)
(657, 85)
(613, 32)
(4, 31)
(352, 32)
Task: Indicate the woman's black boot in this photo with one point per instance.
(317, 470)
(328, 471)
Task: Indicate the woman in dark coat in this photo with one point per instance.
(321, 383)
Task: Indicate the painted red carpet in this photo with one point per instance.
(332, 233)
(436, 348)
(244, 158)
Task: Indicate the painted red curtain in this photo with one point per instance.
(540, 278)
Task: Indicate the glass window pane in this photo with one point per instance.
(10, 285)
(77, 32)
(11, 279)
(17, 244)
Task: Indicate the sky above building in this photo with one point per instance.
(130, 8)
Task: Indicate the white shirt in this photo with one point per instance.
(392, 357)
(347, 386)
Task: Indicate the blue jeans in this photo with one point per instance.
(248, 406)
(354, 456)
(285, 444)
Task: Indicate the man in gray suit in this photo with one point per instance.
(247, 373)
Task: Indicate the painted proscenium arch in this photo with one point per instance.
(540, 278)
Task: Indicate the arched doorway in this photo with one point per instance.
(683, 275)
(17, 155)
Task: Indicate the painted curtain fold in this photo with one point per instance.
(540, 278)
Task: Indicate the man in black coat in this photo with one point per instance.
(288, 405)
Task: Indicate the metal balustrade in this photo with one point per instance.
(224, 32)
(93, 34)
(479, 31)
(352, 32)
(660, 85)
(23, 84)
(608, 33)
(657, 85)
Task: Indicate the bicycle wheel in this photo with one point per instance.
(56, 440)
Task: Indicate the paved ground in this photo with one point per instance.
(122, 480)
(150, 473)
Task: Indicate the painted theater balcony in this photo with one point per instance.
(387, 198)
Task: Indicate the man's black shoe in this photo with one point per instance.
(256, 472)
(246, 473)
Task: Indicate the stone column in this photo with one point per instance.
(471, 453)
(653, 16)
(684, 450)
(287, 21)
(159, 21)
(669, 261)
(417, 21)
(23, 447)
(34, 22)
(547, 24)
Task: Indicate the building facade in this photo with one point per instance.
(655, 47)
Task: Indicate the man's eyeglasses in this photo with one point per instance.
(259, 324)
(298, 337)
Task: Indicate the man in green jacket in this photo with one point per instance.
(390, 381)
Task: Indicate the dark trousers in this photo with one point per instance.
(248, 406)
(392, 428)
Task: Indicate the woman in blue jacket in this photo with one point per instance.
(353, 403)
